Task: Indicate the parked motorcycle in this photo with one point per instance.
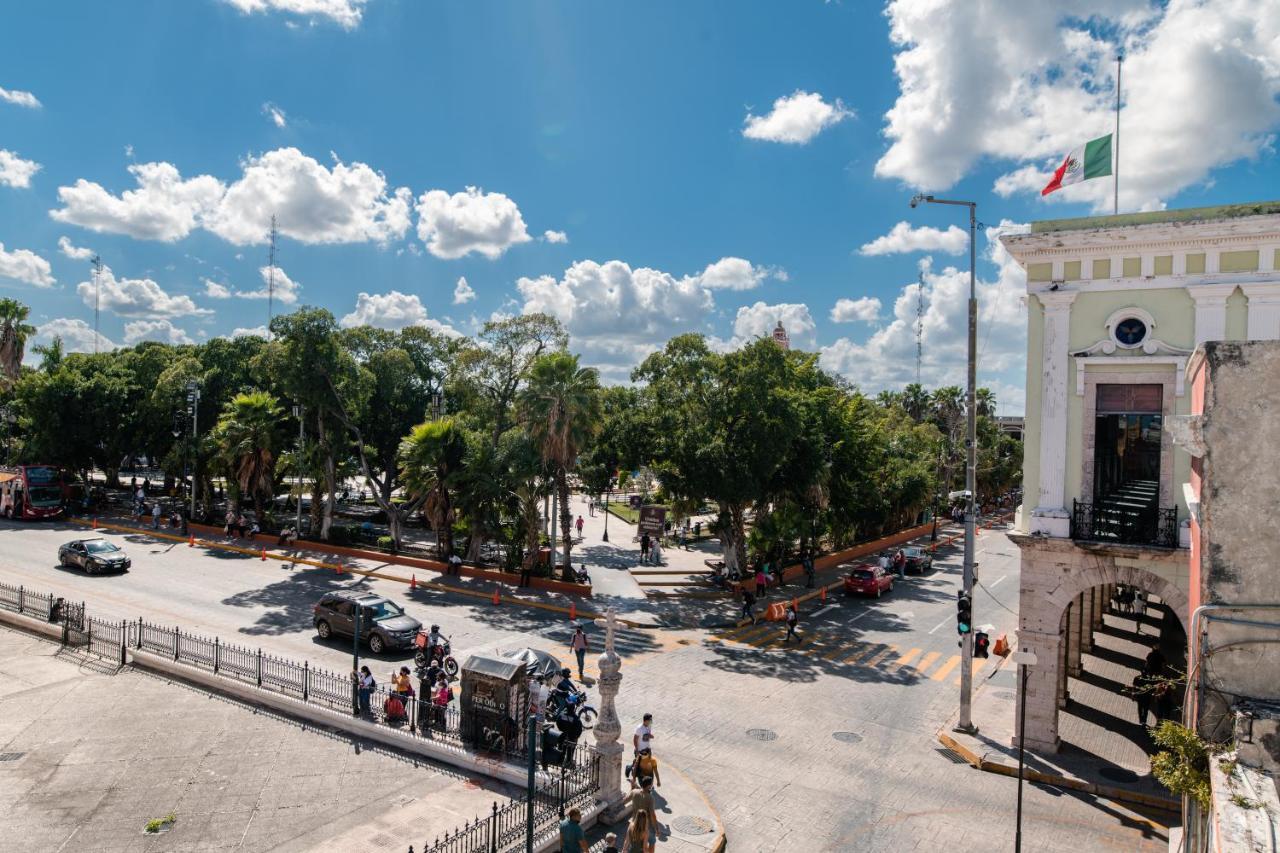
(574, 705)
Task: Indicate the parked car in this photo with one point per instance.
(383, 624)
(94, 556)
(918, 559)
(867, 579)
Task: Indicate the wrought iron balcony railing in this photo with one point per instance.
(1125, 525)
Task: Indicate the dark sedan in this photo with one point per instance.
(94, 556)
(918, 559)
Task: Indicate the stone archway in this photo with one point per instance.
(1064, 593)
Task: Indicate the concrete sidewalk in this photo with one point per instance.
(92, 755)
(992, 749)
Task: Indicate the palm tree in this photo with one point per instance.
(248, 439)
(14, 332)
(916, 401)
(560, 407)
(432, 455)
(985, 402)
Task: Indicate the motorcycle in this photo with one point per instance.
(442, 653)
(574, 704)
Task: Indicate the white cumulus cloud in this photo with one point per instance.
(1031, 86)
(281, 287)
(276, 114)
(795, 118)
(393, 310)
(19, 97)
(903, 238)
(214, 290)
(455, 225)
(344, 13)
(555, 236)
(15, 171)
(737, 274)
(254, 332)
(759, 320)
(462, 292)
(163, 207)
(26, 266)
(75, 253)
(137, 297)
(154, 330)
(865, 309)
(76, 335)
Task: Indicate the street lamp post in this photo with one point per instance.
(606, 511)
(1025, 660)
(193, 399)
(297, 525)
(965, 723)
(355, 661)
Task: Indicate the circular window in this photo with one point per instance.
(1130, 332)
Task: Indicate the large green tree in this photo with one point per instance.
(432, 455)
(248, 439)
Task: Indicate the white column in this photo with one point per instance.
(1050, 515)
(1264, 310)
(608, 728)
(1211, 310)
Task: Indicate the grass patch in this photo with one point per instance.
(161, 823)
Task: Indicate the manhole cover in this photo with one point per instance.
(11, 756)
(1119, 774)
(762, 734)
(688, 825)
(847, 737)
(1005, 694)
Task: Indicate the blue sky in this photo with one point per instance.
(640, 169)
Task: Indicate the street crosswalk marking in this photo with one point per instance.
(922, 666)
(878, 659)
(865, 650)
(840, 648)
(945, 670)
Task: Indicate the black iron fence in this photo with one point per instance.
(1124, 525)
(572, 785)
(19, 599)
(107, 640)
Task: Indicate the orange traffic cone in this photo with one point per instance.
(264, 555)
(413, 582)
(95, 522)
(191, 541)
(497, 599)
(822, 596)
(573, 611)
(339, 568)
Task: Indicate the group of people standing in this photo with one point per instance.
(432, 711)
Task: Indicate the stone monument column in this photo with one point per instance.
(609, 728)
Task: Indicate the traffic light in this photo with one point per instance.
(964, 613)
(981, 644)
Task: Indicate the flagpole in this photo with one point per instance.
(1115, 173)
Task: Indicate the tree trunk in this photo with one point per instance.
(733, 538)
(315, 511)
(330, 478)
(475, 540)
(566, 522)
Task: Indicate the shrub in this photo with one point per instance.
(386, 542)
(1182, 765)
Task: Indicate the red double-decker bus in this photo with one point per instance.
(31, 491)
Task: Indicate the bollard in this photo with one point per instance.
(573, 611)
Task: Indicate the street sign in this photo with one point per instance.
(651, 520)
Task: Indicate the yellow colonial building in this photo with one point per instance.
(1116, 306)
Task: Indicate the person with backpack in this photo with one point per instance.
(748, 605)
(762, 579)
(809, 570)
(440, 699)
(365, 685)
(792, 619)
(644, 548)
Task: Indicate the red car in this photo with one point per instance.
(868, 579)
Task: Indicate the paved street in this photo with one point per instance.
(827, 744)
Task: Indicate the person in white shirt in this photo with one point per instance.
(643, 738)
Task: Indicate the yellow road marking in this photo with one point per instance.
(840, 649)
(977, 665)
(875, 661)
(946, 668)
(864, 650)
(927, 661)
(905, 659)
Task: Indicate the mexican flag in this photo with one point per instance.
(1091, 160)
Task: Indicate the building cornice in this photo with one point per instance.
(1139, 239)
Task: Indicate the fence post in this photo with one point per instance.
(259, 667)
(493, 829)
(217, 654)
(88, 634)
(412, 711)
(306, 680)
(177, 642)
(124, 638)
(21, 601)
(139, 632)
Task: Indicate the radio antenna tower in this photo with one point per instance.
(271, 277)
(96, 262)
(919, 326)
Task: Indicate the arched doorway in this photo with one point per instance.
(1082, 642)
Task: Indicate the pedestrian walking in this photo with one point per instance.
(655, 552)
(885, 563)
(579, 526)
(1139, 610)
(680, 537)
(644, 548)
(748, 605)
(441, 695)
(365, 685)
(155, 515)
(900, 562)
(697, 529)
(792, 618)
(762, 580)
(455, 564)
(579, 646)
(1141, 691)
(809, 570)
(572, 837)
(641, 834)
(641, 741)
(611, 842)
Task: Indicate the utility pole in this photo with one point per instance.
(965, 723)
(97, 293)
(193, 401)
(271, 277)
(919, 325)
(297, 413)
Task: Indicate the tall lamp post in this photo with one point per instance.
(965, 723)
(297, 525)
(1025, 660)
(607, 487)
(193, 401)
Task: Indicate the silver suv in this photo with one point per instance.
(383, 624)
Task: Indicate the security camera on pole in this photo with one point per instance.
(964, 608)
